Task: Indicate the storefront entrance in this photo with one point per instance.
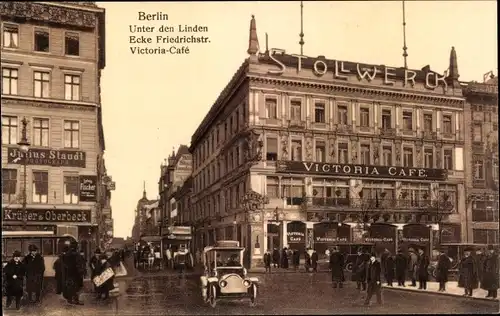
(273, 236)
(415, 236)
(328, 235)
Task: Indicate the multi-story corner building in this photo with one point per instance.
(300, 151)
(482, 161)
(52, 57)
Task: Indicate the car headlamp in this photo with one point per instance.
(246, 283)
(223, 283)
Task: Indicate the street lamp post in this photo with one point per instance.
(24, 146)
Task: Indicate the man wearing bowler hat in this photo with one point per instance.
(373, 280)
(489, 278)
(35, 268)
(468, 273)
(14, 273)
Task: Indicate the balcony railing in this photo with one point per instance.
(425, 205)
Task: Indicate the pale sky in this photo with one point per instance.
(152, 103)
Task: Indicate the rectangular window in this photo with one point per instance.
(296, 110)
(71, 134)
(272, 187)
(365, 154)
(407, 120)
(72, 44)
(429, 158)
(41, 84)
(477, 133)
(42, 41)
(271, 109)
(297, 150)
(408, 157)
(447, 124)
(342, 115)
(478, 170)
(41, 132)
(71, 190)
(320, 151)
(319, 113)
(343, 153)
(428, 122)
(485, 236)
(386, 119)
(40, 187)
(9, 184)
(9, 81)
(9, 130)
(72, 87)
(272, 149)
(448, 159)
(364, 117)
(10, 36)
(387, 155)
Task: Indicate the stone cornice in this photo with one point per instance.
(365, 92)
(47, 104)
(44, 12)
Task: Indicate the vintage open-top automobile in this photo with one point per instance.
(225, 277)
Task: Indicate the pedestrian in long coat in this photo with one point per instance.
(268, 260)
(389, 269)
(468, 273)
(442, 270)
(73, 270)
(373, 279)
(422, 269)
(359, 269)
(401, 263)
(94, 261)
(58, 274)
(276, 258)
(314, 261)
(35, 268)
(412, 266)
(284, 258)
(104, 289)
(337, 267)
(296, 259)
(14, 273)
(489, 281)
(307, 260)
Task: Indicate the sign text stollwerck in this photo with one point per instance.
(88, 188)
(35, 215)
(47, 157)
(394, 172)
(339, 70)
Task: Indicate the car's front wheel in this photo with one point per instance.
(253, 295)
(212, 296)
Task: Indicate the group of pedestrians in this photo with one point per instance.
(16, 271)
(282, 260)
(475, 272)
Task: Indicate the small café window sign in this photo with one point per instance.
(331, 239)
(296, 237)
(88, 188)
(415, 239)
(377, 239)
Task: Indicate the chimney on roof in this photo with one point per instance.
(452, 78)
(253, 40)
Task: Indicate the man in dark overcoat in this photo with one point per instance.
(359, 269)
(401, 263)
(468, 273)
(489, 280)
(276, 257)
(268, 260)
(314, 260)
(35, 268)
(295, 258)
(442, 270)
(14, 274)
(337, 267)
(422, 269)
(389, 269)
(73, 271)
(412, 266)
(307, 259)
(284, 258)
(373, 280)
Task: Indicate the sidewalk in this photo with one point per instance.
(260, 270)
(452, 289)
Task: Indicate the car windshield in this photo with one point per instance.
(228, 258)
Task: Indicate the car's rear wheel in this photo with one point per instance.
(348, 267)
(212, 296)
(253, 295)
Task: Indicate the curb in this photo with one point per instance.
(483, 299)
